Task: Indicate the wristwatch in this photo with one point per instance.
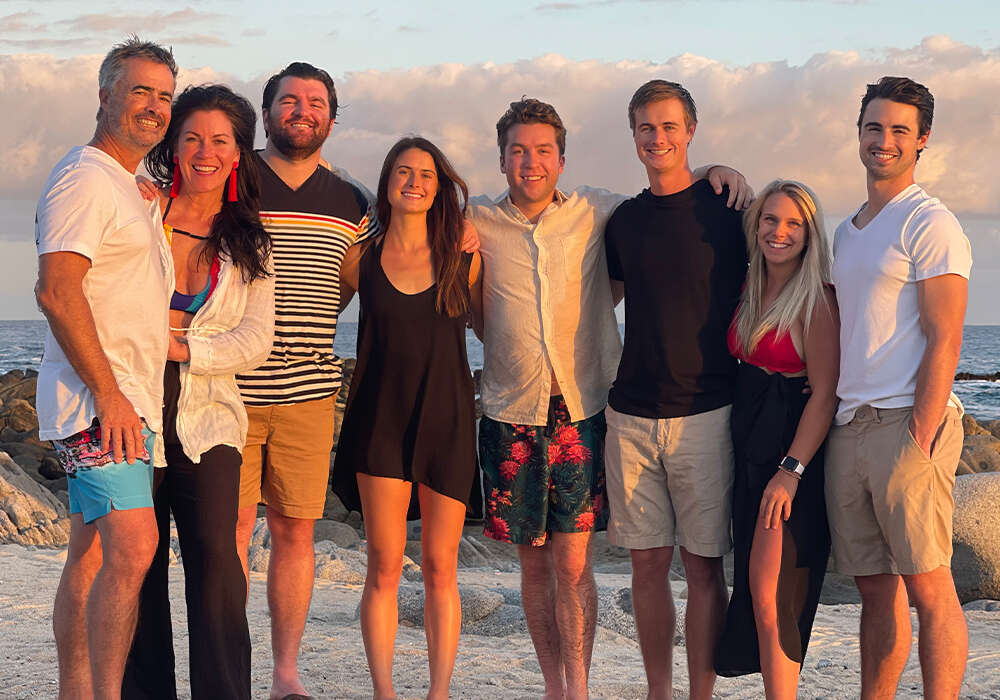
(792, 466)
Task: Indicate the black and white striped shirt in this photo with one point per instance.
(311, 228)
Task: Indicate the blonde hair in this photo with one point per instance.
(803, 291)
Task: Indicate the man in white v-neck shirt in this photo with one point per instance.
(901, 269)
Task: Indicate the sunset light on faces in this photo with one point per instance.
(298, 120)
(781, 231)
(413, 183)
(888, 139)
(136, 110)
(206, 151)
(532, 164)
(662, 135)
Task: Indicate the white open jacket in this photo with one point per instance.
(232, 332)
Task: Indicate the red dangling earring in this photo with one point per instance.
(231, 194)
(175, 186)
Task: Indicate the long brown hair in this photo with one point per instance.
(236, 231)
(444, 223)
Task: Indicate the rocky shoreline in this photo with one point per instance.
(34, 503)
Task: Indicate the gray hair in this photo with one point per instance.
(133, 47)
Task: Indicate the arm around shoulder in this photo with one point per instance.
(350, 272)
(476, 295)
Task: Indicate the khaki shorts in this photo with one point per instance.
(670, 481)
(286, 460)
(889, 504)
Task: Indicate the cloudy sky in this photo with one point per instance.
(777, 85)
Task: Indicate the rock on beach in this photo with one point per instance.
(975, 562)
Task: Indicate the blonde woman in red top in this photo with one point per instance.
(786, 335)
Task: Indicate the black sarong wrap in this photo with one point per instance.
(766, 413)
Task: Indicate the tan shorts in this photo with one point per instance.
(670, 481)
(889, 504)
(286, 460)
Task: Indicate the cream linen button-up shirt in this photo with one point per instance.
(547, 306)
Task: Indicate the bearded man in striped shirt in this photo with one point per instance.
(313, 216)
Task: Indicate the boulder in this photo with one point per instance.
(29, 513)
(19, 415)
(472, 553)
(478, 602)
(972, 427)
(981, 452)
(259, 555)
(614, 612)
(993, 426)
(975, 562)
(340, 565)
(341, 534)
(23, 388)
(12, 377)
(334, 509)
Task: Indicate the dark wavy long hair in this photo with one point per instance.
(445, 222)
(236, 231)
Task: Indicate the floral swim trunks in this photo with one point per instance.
(542, 479)
(97, 484)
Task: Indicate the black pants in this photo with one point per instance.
(204, 499)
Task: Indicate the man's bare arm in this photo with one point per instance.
(59, 292)
(942, 302)
(740, 193)
(476, 296)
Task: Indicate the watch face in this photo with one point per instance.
(790, 464)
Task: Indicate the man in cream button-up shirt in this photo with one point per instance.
(548, 301)
(551, 351)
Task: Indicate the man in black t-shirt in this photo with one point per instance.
(679, 256)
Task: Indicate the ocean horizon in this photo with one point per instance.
(24, 340)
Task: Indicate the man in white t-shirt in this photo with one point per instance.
(104, 279)
(901, 269)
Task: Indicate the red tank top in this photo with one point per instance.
(772, 353)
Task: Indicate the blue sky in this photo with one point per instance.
(247, 38)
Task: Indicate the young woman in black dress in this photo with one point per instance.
(786, 330)
(410, 418)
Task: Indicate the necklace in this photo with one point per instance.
(190, 235)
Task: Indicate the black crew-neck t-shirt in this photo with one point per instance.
(683, 260)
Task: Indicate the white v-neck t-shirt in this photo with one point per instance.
(91, 206)
(875, 271)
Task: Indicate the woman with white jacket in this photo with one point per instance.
(222, 322)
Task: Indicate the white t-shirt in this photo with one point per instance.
(91, 206)
(875, 271)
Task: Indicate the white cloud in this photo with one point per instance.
(768, 119)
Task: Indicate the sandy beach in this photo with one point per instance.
(333, 665)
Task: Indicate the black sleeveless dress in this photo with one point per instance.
(766, 412)
(410, 412)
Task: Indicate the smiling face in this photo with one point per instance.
(781, 230)
(413, 183)
(889, 139)
(532, 164)
(135, 111)
(206, 151)
(298, 120)
(662, 136)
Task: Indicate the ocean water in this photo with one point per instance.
(23, 340)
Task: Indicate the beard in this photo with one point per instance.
(294, 145)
